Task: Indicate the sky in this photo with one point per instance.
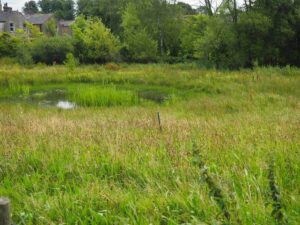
(18, 4)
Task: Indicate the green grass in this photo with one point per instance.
(229, 146)
(102, 96)
(15, 90)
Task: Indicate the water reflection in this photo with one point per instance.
(65, 105)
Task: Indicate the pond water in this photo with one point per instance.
(58, 98)
(154, 95)
(65, 105)
(51, 98)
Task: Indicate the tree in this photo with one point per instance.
(110, 11)
(30, 7)
(193, 29)
(253, 29)
(187, 9)
(163, 21)
(283, 37)
(210, 7)
(63, 9)
(217, 47)
(93, 41)
(139, 46)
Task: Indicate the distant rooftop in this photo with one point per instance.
(66, 23)
(38, 18)
(7, 13)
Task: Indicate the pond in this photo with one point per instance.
(81, 96)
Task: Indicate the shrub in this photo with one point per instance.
(8, 61)
(112, 66)
(51, 50)
(23, 55)
(8, 45)
(71, 62)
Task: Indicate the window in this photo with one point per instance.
(11, 27)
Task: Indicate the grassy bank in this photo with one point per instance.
(229, 145)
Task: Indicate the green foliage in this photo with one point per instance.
(30, 7)
(220, 34)
(139, 46)
(193, 29)
(253, 29)
(217, 47)
(51, 50)
(71, 62)
(51, 27)
(187, 9)
(94, 42)
(63, 9)
(33, 31)
(24, 55)
(282, 41)
(159, 21)
(110, 12)
(8, 45)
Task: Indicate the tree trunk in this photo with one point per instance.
(235, 12)
(208, 7)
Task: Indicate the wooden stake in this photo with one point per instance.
(159, 123)
(5, 211)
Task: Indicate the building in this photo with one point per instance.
(40, 20)
(10, 21)
(64, 27)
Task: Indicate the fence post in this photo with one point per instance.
(159, 123)
(4, 211)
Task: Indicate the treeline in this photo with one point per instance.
(217, 34)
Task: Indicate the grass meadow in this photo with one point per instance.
(228, 151)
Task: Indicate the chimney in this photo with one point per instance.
(6, 8)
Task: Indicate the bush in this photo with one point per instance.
(112, 66)
(8, 61)
(51, 50)
(23, 55)
(8, 45)
(71, 62)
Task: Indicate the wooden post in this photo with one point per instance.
(159, 123)
(5, 211)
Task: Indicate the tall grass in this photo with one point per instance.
(102, 96)
(112, 165)
(14, 89)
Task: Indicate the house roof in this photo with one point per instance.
(7, 16)
(66, 23)
(38, 18)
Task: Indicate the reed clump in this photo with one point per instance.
(102, 96)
